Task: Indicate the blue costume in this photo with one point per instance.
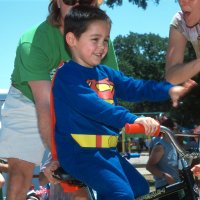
(88, 121)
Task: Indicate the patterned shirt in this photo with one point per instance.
(190, 33)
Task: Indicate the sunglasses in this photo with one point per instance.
(81, 2)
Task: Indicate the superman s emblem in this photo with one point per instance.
(104, 89)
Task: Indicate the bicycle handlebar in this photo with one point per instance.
(139, 128)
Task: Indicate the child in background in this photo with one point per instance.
(88, 119)
(163, 162)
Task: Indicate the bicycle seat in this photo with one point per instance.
(62, 175)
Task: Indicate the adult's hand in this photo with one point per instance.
(177, 92)
(52, 166)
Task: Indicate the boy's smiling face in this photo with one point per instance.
(92, 46)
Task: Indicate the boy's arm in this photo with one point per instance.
(137, 90)
(85, 101)
(77, 97)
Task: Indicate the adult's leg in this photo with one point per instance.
(20, 142)
(19, 180)
(57, 193)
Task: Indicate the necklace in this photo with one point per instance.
(198, 32)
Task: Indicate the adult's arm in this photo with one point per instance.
(41, 93)
(154, 158)
(176, 71)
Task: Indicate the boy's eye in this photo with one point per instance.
(106, 40)
(95, 39)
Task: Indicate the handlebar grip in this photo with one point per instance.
(138, 129)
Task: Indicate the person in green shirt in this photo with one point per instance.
(26, 112)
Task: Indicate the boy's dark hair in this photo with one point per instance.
(80, 17)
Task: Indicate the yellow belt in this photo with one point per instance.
(95, 141)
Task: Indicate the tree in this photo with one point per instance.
(140, 3)
(143, 57)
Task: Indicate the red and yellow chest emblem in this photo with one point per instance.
(104, 89)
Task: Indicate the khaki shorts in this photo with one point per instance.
(19, 134)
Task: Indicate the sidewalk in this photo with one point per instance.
(140, 163)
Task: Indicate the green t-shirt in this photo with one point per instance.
(39, 53)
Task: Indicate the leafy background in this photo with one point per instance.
(143, 57)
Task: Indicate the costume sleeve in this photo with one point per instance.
(135, 90)
(85, 101)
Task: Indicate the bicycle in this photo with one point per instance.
(187, 183)
(61, 175)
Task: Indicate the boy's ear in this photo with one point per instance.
(70, 39)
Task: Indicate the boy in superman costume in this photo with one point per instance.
(88, 119)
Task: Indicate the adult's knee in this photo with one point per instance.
(21, 167)
(20, 174)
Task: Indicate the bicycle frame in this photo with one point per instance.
(187, 182)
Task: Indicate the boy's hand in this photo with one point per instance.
(150, 124)
(177, 92)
